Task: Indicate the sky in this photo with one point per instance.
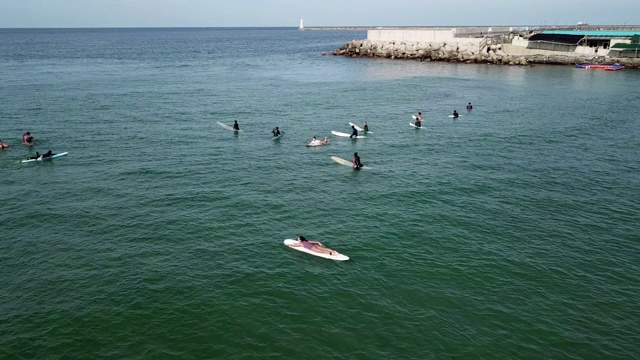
(268, 13)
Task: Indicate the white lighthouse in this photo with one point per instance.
(301, 25)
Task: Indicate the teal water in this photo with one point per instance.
(511, 232)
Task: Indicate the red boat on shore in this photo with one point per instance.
(614, 67)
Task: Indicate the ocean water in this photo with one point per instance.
(511, 232)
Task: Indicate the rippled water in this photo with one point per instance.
(511, 232)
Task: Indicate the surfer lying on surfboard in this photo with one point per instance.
(314, 246)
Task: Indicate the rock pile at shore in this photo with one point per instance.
(464, 52)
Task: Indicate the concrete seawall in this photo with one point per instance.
(445, 45)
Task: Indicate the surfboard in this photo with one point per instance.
(356, 126)
(414, 125)
(45, 159)
(337, 256)
(451, 116)
(341, 134)
(316, 143)
(227, 126)
(346, 162)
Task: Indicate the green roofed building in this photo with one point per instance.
(588, 42)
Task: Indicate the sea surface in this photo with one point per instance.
(509, 233)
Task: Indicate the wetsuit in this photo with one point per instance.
(236, 126)
(356, 161)
(455, 114)
(354, 132)
(366, 128)
(276, 132)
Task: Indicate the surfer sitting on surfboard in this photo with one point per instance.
(276, 131)
(314, 246)
(236, 127)
(354, 132)
(455, 114)
(356, 161)
(366, 127)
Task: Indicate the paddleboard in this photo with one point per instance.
(341, 134)
(227, 127)
(45, 159)
(357, 127)
(414, 125)
(451, 116)
(337, 256)
(346, 162)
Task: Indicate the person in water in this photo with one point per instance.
(276, 132)
(469, 106)
(236, 127)
(3, 145)
(325, 141)
(27, 139)
(354, 132)
(455, 114)
(366, 126)
(314, 246)
(419, 117)
(357, 164)
(314, 139)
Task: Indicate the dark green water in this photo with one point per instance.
(511, 232)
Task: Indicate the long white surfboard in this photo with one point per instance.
(341, 134)
(451, 116)
(346, 162)
(227, 126)
(47, 158)
(337, 256)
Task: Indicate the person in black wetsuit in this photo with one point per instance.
(47, 154)
(354, 132)
(455, 114)
(357, 164)
(236, 127)
(276, 132)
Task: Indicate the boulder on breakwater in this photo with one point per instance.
(467, 52)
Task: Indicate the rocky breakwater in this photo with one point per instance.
(430, 51)
(467, 52)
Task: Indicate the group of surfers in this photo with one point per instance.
(419, 117)
(27, 139)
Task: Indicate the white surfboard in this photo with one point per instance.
(337, 256)
(341, 134)
(414, 125)
(227, 127)
(451, 116)
(356, 126)
(45, 159)
(316, 143)
(346, 162)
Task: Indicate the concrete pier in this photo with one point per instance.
(504, 45)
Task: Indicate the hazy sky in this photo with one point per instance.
(160, 13)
